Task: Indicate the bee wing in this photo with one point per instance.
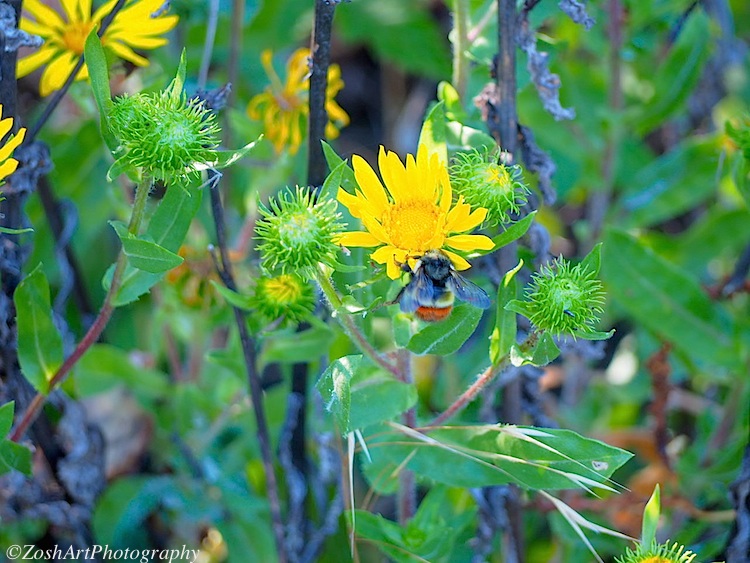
(468, 291)
(417, 292)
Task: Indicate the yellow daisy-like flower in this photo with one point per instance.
(134, 27)
(284, 108)
(8, 165)
(412, 214)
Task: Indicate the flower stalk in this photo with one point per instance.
(99, 324)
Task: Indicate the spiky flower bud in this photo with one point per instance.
(297, 232)
(164, 135)
(658, 553)
(564, 299)
(483, 182)
(287, 297)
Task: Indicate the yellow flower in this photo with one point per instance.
(284, 108)
(414, 215)
(65, 35)
(8, 165)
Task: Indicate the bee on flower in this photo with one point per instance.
(414, 225)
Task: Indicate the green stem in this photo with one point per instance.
(348, 324)
(99, 324)
(460, 46)
(407, 490)
(482, 381)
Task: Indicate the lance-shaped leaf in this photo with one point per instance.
(145, 254)
(335, 388)
(514, 232)
(504, 335)
(40, 350)
(433, 134)
(96, 61)
(447, 336)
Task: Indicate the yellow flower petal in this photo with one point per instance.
(8, 148)
(371, 187)
(125, 52)
(57, 72)
(8, 167)
(459, 262)
(393, 173)
(358, 238)
(29, 64)
(5, 124)
(43, 14)
(392, 257)
(352, 203)
(470, 242)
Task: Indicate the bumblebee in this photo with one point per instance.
(433, 287)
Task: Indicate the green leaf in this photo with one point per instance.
(504, 335)
(675, 79)
(542, 353)
(462, 137)
(514, 232)
(594, 335)
(104, 367)
(666, 300)
(295, 347)
(225, 158)
(402, 329)
(96, 62)
(433, 132)
(487, 455)
(6, 418)
(447, 336)
(177, 86)
(333, 180)
(651, 518)
(593, 260)
(673, 183)
(348, 181)
(40, 350)
(377, 396)
(335, 388)
(235, 299)
(145, 254)
(14, 457)
(167, 228)
(402, 33)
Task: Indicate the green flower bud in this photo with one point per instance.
(287, 296)
(564, 299)
(484, 183)
(165, 135)
(658, 553)
(297, 232)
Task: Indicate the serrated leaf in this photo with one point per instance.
(145, 254)
(98, 69)
(433, 133)
(667, 301)
(14, 457)
(335, 388)
(504, 335)
(40, 350)
(447, 336)
(514, 232)
(542, 353)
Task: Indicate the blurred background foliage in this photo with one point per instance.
(645, 166)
